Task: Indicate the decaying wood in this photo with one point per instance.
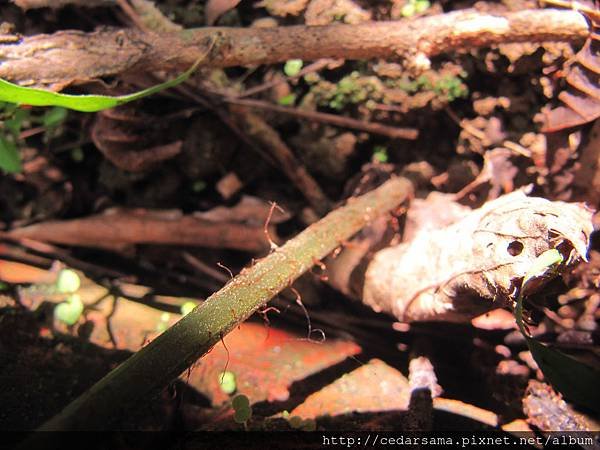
(124, 227)
(458, 272)
(57, 60)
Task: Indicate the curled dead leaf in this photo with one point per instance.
(476, 264)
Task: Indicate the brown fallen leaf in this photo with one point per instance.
(476, 264)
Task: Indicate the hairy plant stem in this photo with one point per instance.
(154, 366)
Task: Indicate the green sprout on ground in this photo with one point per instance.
(354, 89)
(298, 423)
(448, 85)
(198, 186)
(380, 154)
(227, 382)
(163, 322)
(188, 307)
(413, 7)
(287, 100)
(13, 120)
(67, 282)
(293, 67)
(242, 408)
(70, 311)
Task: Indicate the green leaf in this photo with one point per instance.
(70, 311)
(242, 415)
(187, 307)
(575, 380)
(240, 402)
(292, 67)
(543, 264)
(54, 117)
(287, 100)
(13, 93)
(68, 281)
(227, 382)
(10, 160)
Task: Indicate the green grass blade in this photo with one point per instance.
(13, 93)
(575, 380)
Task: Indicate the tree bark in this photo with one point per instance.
(57, 60)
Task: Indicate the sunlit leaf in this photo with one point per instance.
(13, 93)
(575, 380)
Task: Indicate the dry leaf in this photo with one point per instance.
(476, 264)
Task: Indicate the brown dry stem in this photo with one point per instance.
(122, 228)
(65, 57)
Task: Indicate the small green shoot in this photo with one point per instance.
(77, 154)
(198, 186)
(242, 408)
(70, 311)
(187, 307)
(67, 282)
(380, 154)
(227, 382)
(575, 380)
(293, 67)
(287, 100)
(413, 7)
(298, 423)
(163, 322)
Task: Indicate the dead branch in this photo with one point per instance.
(60, 59)
(130, 227)
(333, 119)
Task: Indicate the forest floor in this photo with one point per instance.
(193, 182)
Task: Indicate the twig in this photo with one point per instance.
(332, 119)
(129, 228)
(314, 67)
(65, 57)
(157, 364)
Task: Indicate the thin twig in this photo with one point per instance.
(332, 119)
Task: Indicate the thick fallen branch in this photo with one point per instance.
(154, 366)
(60, 59)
